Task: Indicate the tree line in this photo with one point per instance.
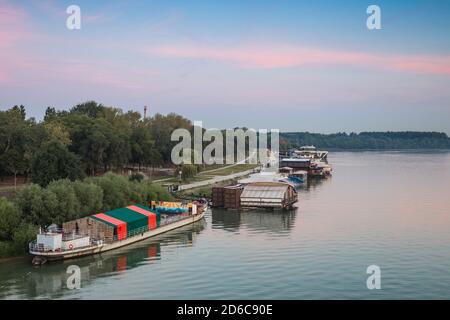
(366, 140)
(88, 139)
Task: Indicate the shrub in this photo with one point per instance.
(136, 177)
(10, 217)
(67, 204)
(38, 205)
(22, 237)
(116, 190)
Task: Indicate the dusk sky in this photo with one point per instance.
(291, 65)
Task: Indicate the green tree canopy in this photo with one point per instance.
(54, 161)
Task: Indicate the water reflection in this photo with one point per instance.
(256, 220)
(313, 184)
(278, 221)
(50, 280)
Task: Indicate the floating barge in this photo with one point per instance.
(263, 194)
(274, 195)
(113, 229)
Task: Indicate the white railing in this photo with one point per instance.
(35, 247)
(40, 247)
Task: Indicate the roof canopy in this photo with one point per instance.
(265, 190)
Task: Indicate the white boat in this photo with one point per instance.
(320, 169)
(310, 152)
(295, 178)
(298, 178)
(309, 159)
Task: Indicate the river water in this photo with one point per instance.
(390, 209)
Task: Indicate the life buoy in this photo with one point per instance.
(70, 246)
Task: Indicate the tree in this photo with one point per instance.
(14, 137)
(142, 147)
(67, 204)
(22, 236)
(50, 114)
(56, 130)
(118, 151)
(161, 128)
(10, 217)
(90, 197)
(90, 139)
(90, 108)
(54, 161)
(38, 205)
(116, 190)
(20, 110)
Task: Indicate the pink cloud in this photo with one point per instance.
(281, 56)
(18, 33)
(11, 25)
(12, 33)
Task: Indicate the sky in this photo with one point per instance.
(289, 65)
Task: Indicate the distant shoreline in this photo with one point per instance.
(368, 141)
(390, 150)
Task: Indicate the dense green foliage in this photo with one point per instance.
(54, 161)
(88, 139)
(367, 140)
(15, 233)
(64, 200)
(136, 177)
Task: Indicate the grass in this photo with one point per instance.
(231, 170)
(10, 191)
(205, 191)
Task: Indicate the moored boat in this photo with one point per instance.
(110, 230)
(311, 152)
(308, 159)
(320, 169)
(298, 178)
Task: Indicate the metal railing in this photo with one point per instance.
(40, 247)
(35, 247)
(164, 221)
(173, 218)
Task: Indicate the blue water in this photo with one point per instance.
(390, 209)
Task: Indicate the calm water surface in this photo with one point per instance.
(391, 209)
